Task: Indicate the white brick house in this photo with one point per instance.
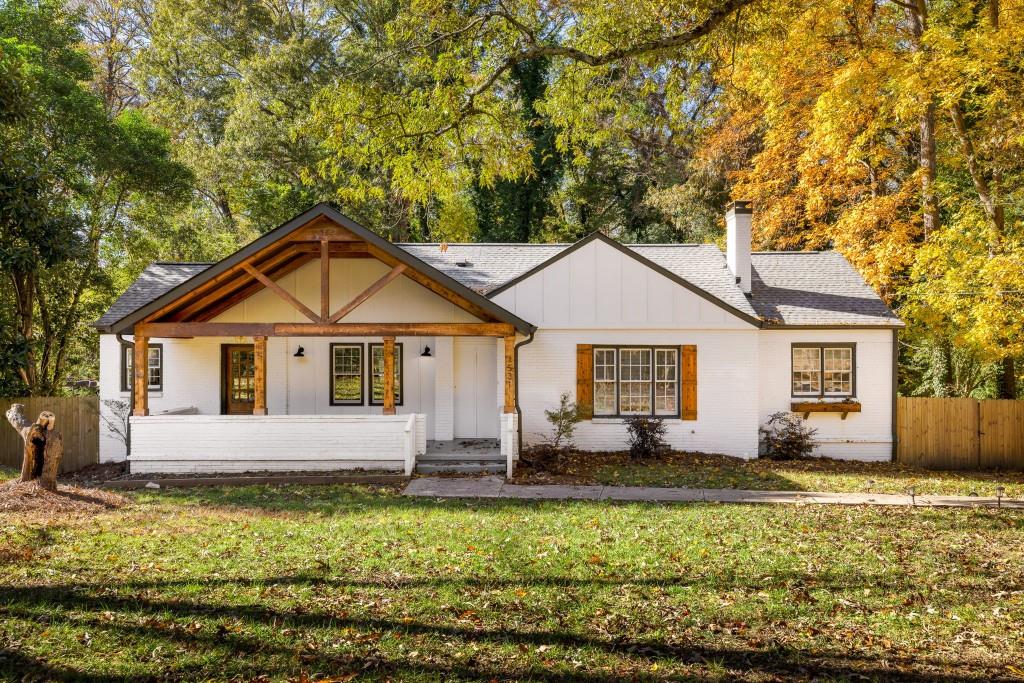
(277, 357)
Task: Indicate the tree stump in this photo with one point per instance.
(44, 446)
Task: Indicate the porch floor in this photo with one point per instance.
(465, 456)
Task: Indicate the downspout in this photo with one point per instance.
(895, 390)
(131, 399)
(519, 411)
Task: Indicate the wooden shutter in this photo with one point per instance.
(585, 380)
(688, 377)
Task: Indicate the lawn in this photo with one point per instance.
(308, 583)
(698, 470)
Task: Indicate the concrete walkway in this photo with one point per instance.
(495, 487)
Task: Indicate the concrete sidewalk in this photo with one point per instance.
(495, 487)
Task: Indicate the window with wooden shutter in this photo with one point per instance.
(688, 377)
(584, 380)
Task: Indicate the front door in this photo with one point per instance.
(238, 380)
(476, 388)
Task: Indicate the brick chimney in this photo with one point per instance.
(737, 242)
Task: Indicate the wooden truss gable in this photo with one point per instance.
(322, 239)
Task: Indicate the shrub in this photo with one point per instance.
(563, 421)
(646, 436)
(787, 437)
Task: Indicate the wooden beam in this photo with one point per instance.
(325, 279)
(367, 293)
(433, 286)
(281, 292)
(210, 296)
(334, 248)
(510, 374)
(220, 303)
(389, 375)
(140, 375)
(264, 255)
(208, 329)
(259, 347)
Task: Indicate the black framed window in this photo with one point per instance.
(824, 370)
(636, 380)
(377, 374)
(156, 367)
(346, 374)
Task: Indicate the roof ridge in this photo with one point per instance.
(182, 263)
(482, 244)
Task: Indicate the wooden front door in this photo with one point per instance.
(238, 380)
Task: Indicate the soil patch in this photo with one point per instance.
(17, 496)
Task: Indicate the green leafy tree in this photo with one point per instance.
(71, 174)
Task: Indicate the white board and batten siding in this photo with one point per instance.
(236, 443)
(601, 296)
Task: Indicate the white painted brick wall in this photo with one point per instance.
(727, 397)
(861, 436)
(215, 443)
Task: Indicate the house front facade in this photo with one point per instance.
(322, 346)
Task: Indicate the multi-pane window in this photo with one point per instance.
(636, 381)
(377, 374)
(605, 395)
(156, 367)
(838, 371)
(346, 374)
(823, 370)
(806, 371)
(666, 381)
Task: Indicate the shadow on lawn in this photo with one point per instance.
(253, 656)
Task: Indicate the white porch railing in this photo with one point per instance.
(252, 443)
(510, 441)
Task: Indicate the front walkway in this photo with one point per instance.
(495, 487)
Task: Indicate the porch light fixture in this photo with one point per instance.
(426, 352)
(301, 353)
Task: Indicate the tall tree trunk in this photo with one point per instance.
(917, 16)
(1008, 378)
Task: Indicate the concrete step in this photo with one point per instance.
(450, 457)
(460, 467)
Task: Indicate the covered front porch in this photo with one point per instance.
(320, 346)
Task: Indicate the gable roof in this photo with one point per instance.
(789, 289)
(160, 277)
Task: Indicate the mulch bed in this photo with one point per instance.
(16, 496)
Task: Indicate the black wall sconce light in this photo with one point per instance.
(426, 352)
(301, 353)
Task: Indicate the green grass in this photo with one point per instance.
(8, 473)
(697, 470)
(304, 583)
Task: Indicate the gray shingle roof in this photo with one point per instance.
(814, 288)
(155, 281)
(789, 288)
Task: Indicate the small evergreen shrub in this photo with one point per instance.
(646, 436)
(563, 421)
(787, 437)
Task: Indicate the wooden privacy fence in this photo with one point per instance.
(77, 420)
(960, 433)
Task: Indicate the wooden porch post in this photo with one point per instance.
(510, 374)
(140, 375)
(259, 404)
(389, 375)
